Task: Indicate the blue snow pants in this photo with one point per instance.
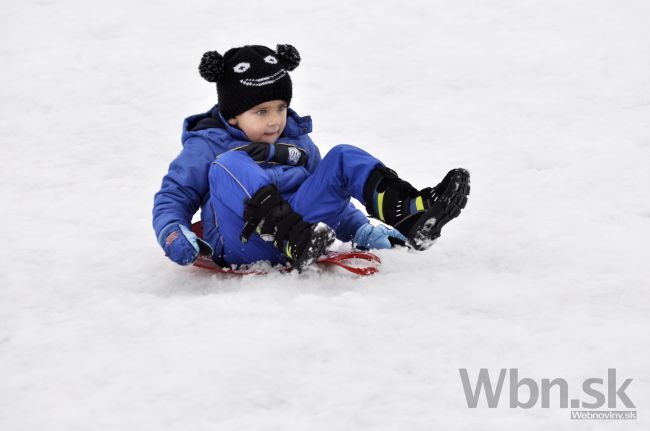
(323, 197)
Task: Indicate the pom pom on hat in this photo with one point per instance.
(289, 57)
(211, 67)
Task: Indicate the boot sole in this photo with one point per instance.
(322, 237)
(452, 200)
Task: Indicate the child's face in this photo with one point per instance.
(264, 122)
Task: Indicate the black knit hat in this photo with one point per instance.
(249, 75)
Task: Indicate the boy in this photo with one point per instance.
(264, 192)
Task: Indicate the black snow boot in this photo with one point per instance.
(418, 215)
(268, 214)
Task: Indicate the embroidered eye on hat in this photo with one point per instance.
(250, 75)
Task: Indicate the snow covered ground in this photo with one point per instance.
(547, 103)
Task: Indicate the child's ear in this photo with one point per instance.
(232, 121)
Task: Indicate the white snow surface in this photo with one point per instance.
(546, 103)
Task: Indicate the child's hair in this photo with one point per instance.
(249, 75)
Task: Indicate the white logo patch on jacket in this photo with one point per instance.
(294, 155)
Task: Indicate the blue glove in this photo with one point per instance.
(369, 236)
(182, 245)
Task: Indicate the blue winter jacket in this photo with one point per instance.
(185, 188)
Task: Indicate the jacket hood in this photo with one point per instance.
(212, 122)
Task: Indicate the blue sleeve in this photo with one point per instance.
(352, 217)
(185, 186)
(352, 220)
(313, 154)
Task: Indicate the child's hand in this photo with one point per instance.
(283, 154)
(369, 237)
(181, 245)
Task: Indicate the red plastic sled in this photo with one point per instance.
(343, 259)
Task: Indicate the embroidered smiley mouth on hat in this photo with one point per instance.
(266, 80)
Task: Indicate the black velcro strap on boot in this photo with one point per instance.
(396, 201)
(300, 236)
(396, 193)
(428, 195)
(286, 225)
(377, 181)
(257, 207)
